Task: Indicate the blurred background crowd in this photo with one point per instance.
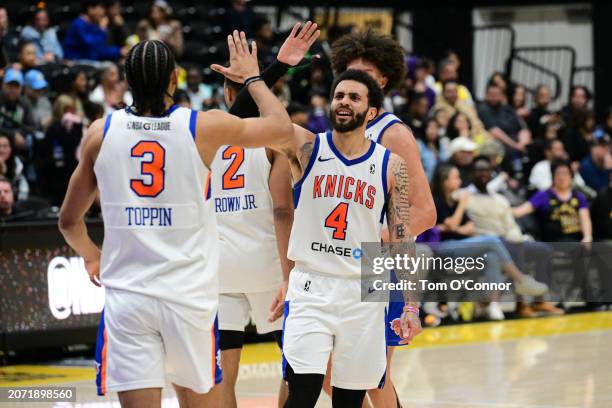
(507, 165)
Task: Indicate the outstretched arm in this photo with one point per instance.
(79, 198)
(215, 128)
(402, 242)
(290, 54)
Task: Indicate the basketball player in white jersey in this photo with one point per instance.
(159, 258)
(251, 189)
(383, 59)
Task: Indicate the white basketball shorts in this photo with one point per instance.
(325, 315)
(235, 310)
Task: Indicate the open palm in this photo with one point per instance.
(298, 43)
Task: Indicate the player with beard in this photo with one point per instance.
(345, 185)
(383, 59)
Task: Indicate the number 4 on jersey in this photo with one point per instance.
(336, 220)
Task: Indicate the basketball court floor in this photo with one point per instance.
(531, 363)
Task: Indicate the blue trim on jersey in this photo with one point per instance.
(387, 126)
(343, 159)
(284, 362)
(376, 120)
(385, 165)
(98, 355)
(297, 187)
(218, 372)
(107, 123)
(172, 109)
(192, 123)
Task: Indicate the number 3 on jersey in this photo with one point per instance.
(336, 220)
(152, 168)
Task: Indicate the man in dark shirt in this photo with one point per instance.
(595, 168)
(502, 121)
(540, 116)
(16, 118)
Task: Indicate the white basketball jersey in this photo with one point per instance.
(249, 260)
(160, 234)
(377, 127)
(339, 204)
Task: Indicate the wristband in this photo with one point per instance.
(252, 79)
(411, 309)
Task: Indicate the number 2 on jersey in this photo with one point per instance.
(153, 168)
(337, 221)
(230, 179)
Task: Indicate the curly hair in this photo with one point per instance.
(381, 50)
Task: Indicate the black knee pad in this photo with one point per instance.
(343, 398)
(304, 389)
(230, 339)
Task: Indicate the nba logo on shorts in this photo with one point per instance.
(307, 286)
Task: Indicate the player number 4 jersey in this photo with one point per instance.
(339, 203)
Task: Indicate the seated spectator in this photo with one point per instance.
(448, 71)
(502, 122)
(563, 213)
(199, 93)
(117, 30)
(432, 148)
(34, 91)
(540, 117)
(578, 135)
(492, 215)
(499, 79)
(16, 118)
(420, 86)
(318, 120)
(449, 101)
(442, 118)
(519, 102)
(417, 114)
(595, 168)
(78, 89)
(55, 155)
(457, 234)
(44, 38)
(461, 155)
(86, 38)
(26, 57)
(541, 176)
(239, 16)
(11, 167)
(112, 93)
(579, 101)
(263, 35)
(459, 125)
(9, 39)
(606, 126)
(161, 26)
(7, 200)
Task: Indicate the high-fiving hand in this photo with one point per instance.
(298, 43)
(243, 63)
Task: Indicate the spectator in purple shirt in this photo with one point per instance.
(563, 213)
(86, 38)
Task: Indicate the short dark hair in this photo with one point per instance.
(4, 180)
(560, 163)
(148, 68)
(86, 4)
(233, 85)
(375, 95)
(381, 50)
(587, 93)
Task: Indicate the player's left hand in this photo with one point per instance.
(410, 325)
(297, 44)
(278, 304)
(93, 269)
(243, 62)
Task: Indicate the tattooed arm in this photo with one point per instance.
(299, 155)
(402, 242)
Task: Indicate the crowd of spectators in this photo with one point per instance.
(507, 166)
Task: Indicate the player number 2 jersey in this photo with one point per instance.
(339, 204)
(249, 260)
(160, 234)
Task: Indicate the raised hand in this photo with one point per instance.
(243, 63)
(298, 43)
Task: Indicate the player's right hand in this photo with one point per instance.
(93, 270)
(243, 63)
(277, 308)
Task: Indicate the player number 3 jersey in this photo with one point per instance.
(339, 203)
